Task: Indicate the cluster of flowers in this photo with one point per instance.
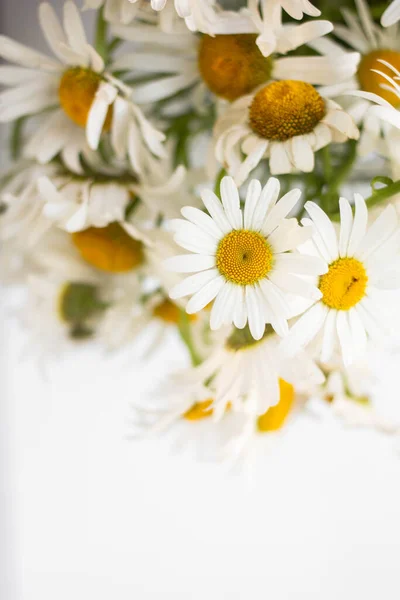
(250, 124)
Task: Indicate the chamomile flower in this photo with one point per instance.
(229, 65)
(391, 14)
(75, 203)
(242, 258)
(378, 48)
(285, 121)
(245, 373)
(76, 92)
(360, 266)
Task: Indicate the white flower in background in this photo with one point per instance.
(65, 298)
(391, 14)
(242, 258)
(285, 121)
(361, 265)
(264, 18)
(76, 203)
(245, 375)
(76, 92)
(375, 45)
(198, 14)
(228, 65)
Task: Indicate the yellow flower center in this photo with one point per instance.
(283, 109)
(169, 312)
(76, 92)
(109, 248)
(276, 416)
(199, 410)
(370, 81)
(244, 257)
(232, 65)
(344, 285)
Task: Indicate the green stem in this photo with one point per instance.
(101, 45)
(329, 200)
(186, 335)
(15, 139)
(383, 194)
(218, 180)
(326, 162)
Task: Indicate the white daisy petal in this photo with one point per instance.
(214, 207)
(329, 336)
(325, 228)
(346, 225)
(305, 330)
(192, 284)
(199, 218)
(205, 295)
(189, 263)
(231, 202)
(359, 224)
(252, 200)
(281, 210)
(254, 315)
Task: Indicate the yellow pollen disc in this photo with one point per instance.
(76, 92)
(276, 416)
(169, 312)
(199, 410)
(370, 81)
(244, 257)
(283, 109)
(344, 285)
(232, 65)
(109, 248)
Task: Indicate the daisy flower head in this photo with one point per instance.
(242, 258)
(228, 64)
(72, 93)
(360, 269)
(378, 48)
(286, 121)
(246, 375)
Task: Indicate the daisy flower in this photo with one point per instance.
(285, 121)
(243, 258)
(198, 16)
(229, 65)
(245, 374)
(378, 47)
(76, 92)
(391, 14)
(76, 203)
(360, 266)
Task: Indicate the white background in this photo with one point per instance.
(86, 513)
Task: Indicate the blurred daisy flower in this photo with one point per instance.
(391, 14)
(73, 93)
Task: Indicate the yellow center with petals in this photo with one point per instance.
(276, 416)
(232, 65)
(109, 248)
(244, 257)
(284, 109)
(344, 285)
(76, 92)
(370, 81)
(199, 411)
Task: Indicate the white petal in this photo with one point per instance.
(214, 207)
(329, 336)
(189, 263)
(281, 210)
(231, 202)
(301, 264)
(252, 198)
(205, 222)
(205, 295)
(346, 225)
(305, 329)
(254, 315)
(359, 224)
(268, 198)
(192, 284)
(325, 228)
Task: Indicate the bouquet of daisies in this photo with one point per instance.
(226, 171)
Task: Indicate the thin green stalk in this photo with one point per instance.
(16, 138)
(101, 35)
(329, 200)
(218, 180)
(377, 196)
(186, 335)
